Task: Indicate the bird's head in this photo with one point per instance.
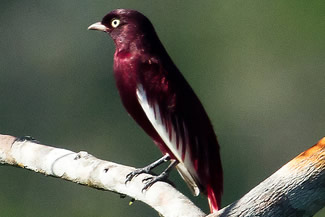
(125, 26)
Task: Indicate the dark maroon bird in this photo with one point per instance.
(159, 99)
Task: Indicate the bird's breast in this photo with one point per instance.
(127, 70)
(125, 75)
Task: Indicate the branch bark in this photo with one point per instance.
(297, 189)
(85, 169)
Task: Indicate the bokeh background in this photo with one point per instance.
(257, 66)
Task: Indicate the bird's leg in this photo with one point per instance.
(148, 168)
(161, 177)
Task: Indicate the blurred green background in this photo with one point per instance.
(257, 66)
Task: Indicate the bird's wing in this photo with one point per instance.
(172, 131)
(162, 123)
(181, 121)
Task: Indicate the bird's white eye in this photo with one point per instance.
(115, 23)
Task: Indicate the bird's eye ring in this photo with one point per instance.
(115, 23)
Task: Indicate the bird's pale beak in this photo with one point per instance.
(98, 26)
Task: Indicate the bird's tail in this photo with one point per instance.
(214, 199)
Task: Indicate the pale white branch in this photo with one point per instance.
(297, 189)
(86, 169)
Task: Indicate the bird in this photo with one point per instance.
(160, 100)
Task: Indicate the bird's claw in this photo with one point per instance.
(152, 180)
(146, 169)
(148, 183)
(146, 180)
(135, 173)
(130, 176)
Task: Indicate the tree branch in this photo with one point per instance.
(297, 189)
(85, 169)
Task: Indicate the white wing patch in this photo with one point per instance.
(154, 116)
(168, 136)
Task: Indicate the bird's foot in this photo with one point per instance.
(146, 169)
(152, 180)
(137, 172)
(161, 177)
